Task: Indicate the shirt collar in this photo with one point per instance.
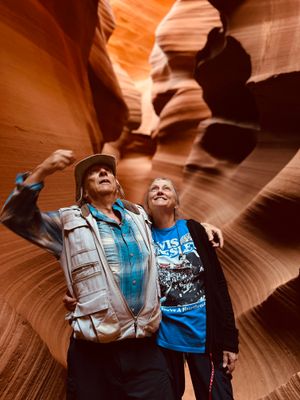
(118, 205)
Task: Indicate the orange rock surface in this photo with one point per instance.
(229, 138)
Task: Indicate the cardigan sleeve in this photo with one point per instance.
(218, 287)
(230, 332)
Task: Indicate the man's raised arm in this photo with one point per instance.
(20, 212)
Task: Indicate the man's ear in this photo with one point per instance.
(85, 195)
(120, 190)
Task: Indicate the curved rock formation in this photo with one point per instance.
(47, 70)
(132, 97)
(243, 171)
(27, 369)
(177, 98)
(133, 37)
(108, 102)
(288, 391)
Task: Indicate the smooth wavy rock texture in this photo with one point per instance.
(216, 109)
(177, 98)
(243, 173)
(27, 369)
(56, 77)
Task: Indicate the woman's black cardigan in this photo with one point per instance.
(221, 332)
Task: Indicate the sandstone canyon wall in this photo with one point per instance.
(242, 170)
(57, 86)
(225, 83)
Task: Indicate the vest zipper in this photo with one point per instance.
(118, 290)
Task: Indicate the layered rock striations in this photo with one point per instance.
(57, 89)
(177, 98)
(136, 21)
(27, 369)
(108, 102)
(242, 172)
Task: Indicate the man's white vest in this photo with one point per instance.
(102, 313)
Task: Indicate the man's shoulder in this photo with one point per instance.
(68, 212)
(137, 211)
(134, 208)
(71, 208)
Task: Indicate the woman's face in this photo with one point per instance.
(162, 195)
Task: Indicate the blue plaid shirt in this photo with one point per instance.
(125, 250)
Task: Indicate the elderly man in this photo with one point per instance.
(104, 246)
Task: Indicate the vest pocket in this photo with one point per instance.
(94, 318)
(87, 281)
(96, 321)
(78, 233)
(88, 278)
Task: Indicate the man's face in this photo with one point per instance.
(99, 180)
(162, 194)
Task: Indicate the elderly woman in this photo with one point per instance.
(197, 317)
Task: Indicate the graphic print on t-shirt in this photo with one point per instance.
(179, 265)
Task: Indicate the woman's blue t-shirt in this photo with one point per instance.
(183, 304)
